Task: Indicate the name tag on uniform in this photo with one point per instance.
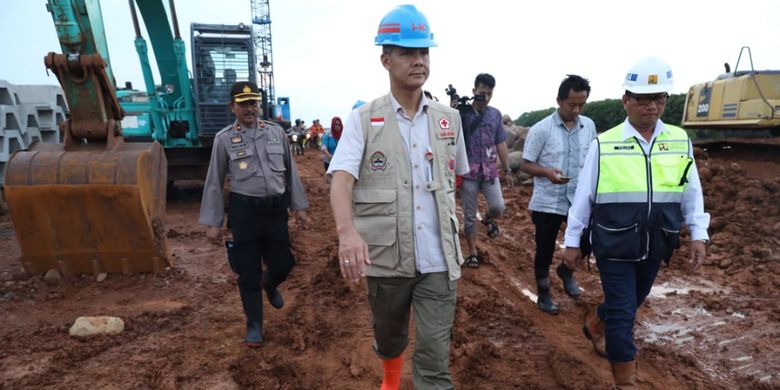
(241, 153)
(446, 133)
(239, 146)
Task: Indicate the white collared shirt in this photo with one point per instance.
(415, 133)
(579, 214)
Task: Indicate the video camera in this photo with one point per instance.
(463, 101)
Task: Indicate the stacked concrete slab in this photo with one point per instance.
(28, 113)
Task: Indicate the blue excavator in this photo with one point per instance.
(95, 202)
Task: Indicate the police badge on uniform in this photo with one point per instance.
(242, 165)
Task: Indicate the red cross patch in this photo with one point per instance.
(444, 123)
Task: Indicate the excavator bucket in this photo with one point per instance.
(89, 211)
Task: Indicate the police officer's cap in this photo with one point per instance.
(243, 91)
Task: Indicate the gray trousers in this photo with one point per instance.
(433, 298)
(469, 189)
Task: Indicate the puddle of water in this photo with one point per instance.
(661, 291)
(530, 295)
(729, 347)
(525, 291)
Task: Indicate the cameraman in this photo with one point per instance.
(485, 143)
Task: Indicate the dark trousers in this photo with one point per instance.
(626, 284)
(547, 227)
(259, 227)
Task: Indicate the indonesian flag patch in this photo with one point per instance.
(376, 122)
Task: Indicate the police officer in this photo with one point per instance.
(637, 187)
(397, 223)
(264, 183)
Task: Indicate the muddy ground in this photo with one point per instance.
(717, 329)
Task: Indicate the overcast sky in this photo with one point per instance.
(324, 58)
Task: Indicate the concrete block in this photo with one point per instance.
(45, 95)
(8, 96)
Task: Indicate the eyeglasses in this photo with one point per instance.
(644, 100)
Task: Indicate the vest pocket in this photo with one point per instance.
(617, 242)
(369, 202)
(671, 170)
(379, 233)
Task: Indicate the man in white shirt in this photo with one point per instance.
(638, 186)
(393, 199)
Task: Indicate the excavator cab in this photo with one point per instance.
(93, 203)
(738, 100)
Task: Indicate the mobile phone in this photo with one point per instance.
(564, 177)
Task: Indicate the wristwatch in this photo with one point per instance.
(705, 241)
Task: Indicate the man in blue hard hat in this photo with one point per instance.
(397, 224)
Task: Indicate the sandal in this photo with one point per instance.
(492, 227)
(472, 261)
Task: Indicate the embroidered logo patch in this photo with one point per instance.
(663, 146)
(444, 123)
(376, 122)
(451, 165)
(378, 161)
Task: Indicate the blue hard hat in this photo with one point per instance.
(358, 104)
(404, 26)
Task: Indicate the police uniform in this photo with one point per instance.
(264, 183)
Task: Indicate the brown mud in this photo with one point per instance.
(715, 329)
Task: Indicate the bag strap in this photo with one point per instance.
(474, 126)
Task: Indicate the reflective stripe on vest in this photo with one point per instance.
(623, 168)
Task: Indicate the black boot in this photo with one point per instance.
(273, 295)
(253, 308)
(544, 301)
(569, 284)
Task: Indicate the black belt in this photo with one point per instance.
(272, 202)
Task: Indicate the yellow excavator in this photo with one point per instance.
(93, 203)
(742, 99)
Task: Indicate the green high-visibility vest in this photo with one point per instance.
(636, 214)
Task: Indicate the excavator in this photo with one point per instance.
(737, 116)
(738, 100)
(94, 203)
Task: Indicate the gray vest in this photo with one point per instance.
(382, 197)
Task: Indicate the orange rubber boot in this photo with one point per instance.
(392, 368)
